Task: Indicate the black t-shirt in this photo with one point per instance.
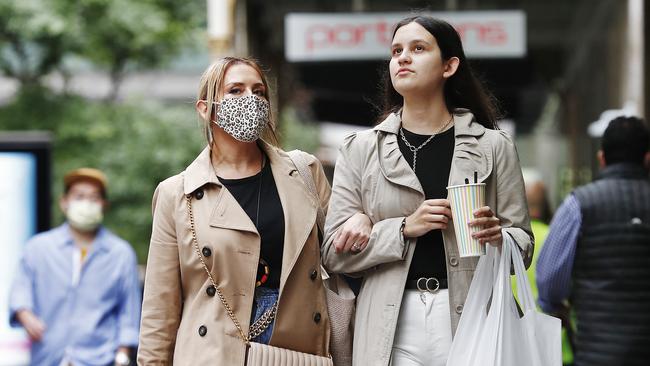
(432, 170)
(270, 225)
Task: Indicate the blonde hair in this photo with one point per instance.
(211, 91)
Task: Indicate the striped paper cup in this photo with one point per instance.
(464, 199)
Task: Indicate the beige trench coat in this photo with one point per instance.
(373, 177)
(176, 303)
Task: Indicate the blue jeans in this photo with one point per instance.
(264, 299)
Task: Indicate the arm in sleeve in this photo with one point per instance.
(555, 263)
(386, 243)
(130, 304)
(162, 303)
(512, 207)
(22, 290)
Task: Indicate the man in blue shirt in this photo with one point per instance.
(77, 292)
(596, 257)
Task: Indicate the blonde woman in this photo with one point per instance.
(438, 130)
(237, 227)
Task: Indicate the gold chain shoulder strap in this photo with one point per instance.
(262, 323)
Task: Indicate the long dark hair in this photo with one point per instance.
(462, 90)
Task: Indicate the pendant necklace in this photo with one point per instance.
(262, 262)
(414, 149)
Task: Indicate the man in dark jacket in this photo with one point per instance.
(596, 258)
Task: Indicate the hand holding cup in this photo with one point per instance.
(491, 229)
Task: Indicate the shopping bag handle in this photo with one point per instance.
(524, 291)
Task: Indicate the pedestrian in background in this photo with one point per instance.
(77, 291)
(596, 257)
(439, 128)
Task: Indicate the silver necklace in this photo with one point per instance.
(259, 193)
(414, 149)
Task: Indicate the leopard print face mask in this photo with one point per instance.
(243, 118)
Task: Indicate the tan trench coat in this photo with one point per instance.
(176, 303)
(373, 177)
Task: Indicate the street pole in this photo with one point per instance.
(220, 27)
(633, 71)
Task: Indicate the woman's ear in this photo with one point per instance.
(203, 110)
(451, 66)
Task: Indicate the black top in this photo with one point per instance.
(432, 170)
(270, 226)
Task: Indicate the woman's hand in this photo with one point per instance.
(354, 234)
(431, 215)
(491, 232)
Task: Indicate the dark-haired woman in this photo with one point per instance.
(439, 128)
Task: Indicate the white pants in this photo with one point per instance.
(423, 334)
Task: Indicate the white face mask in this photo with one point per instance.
(243, 118)
(84, 215)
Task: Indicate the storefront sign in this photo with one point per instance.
(367, 36)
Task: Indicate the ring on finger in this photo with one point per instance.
(356, 247)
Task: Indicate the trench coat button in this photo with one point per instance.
(453, 261)
(211, 290)
(198, 194)
(203, 330)
(459, 309)
(316, 317)
(206, 252)
(313, 274)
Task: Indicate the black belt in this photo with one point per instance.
(430, 284)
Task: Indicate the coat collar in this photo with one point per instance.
(200, 172)
(464, 124)
(623, 171)
(468, 156)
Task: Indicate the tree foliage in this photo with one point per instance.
(137, 144)
(118, 34)
(36, 36)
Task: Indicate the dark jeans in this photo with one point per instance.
(264, 299)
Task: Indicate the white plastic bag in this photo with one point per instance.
(490, 332)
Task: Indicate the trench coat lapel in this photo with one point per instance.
(298, 206)
(392, 163)
(227, 213)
